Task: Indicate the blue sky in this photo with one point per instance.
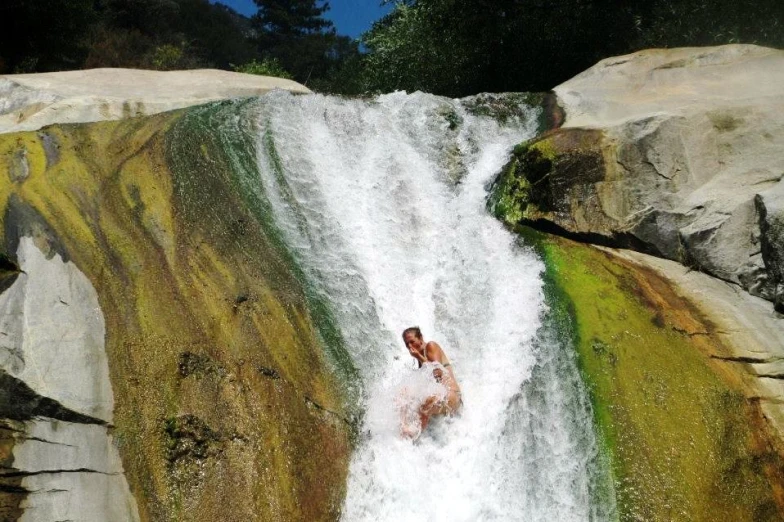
(351, 17)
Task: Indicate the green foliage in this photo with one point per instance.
(158, 34)
(449, 47)
(342, 69)
(287, 38)
(168, 34)
(266, 67)
(166, 57)
(409, 49)
(221, 35)
(295, 33)
(44, 36)
(458, 48)
(676, 23)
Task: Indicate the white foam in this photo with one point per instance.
(384, 207)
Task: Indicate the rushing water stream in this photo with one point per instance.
(382, 203)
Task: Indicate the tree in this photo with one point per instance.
(44, 36)
(673, 23)
(169, 34)
(220, 35)
(456, 48)
(294, 33)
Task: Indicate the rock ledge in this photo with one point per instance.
(31, 101)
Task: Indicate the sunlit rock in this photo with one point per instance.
(31, 101)
(665, 152)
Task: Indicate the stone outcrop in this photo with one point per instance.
(58, 398)
(32, 101)
(158, 356)
(678, 153)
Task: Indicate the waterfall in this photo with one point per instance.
(382, 204)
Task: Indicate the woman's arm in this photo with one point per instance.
(435, 354)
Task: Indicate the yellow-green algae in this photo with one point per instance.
(182, 266)
(529, 166)
(683, 441)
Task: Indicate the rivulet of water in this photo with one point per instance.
(382, 203)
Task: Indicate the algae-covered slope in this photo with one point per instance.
(683, 440)
(225, 404)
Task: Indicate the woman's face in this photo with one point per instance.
(414, 344)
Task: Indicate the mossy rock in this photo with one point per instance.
(683, 440)
(547, 177)
(216, 354)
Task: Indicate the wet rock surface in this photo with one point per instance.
(686, 428)
(156, 349)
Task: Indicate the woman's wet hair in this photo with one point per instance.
(416, 331)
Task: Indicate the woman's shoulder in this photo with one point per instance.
(434, 349)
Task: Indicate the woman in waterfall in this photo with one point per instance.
(446, 404)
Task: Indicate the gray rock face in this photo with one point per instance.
(689, 184)
(59, 460)
(54, 334)
(770, 208)
(693, 152)
(71, 471)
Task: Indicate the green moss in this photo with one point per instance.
(231, 147)
(561, 318)
(451, 116)
(155, 213)
(684, 444)
(545, 148)
(522, 189)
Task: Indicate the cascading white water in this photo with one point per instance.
(382, 203)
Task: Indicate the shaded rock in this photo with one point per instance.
(19, 402)
(770, 209)
(19, 168)
(51, 148)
